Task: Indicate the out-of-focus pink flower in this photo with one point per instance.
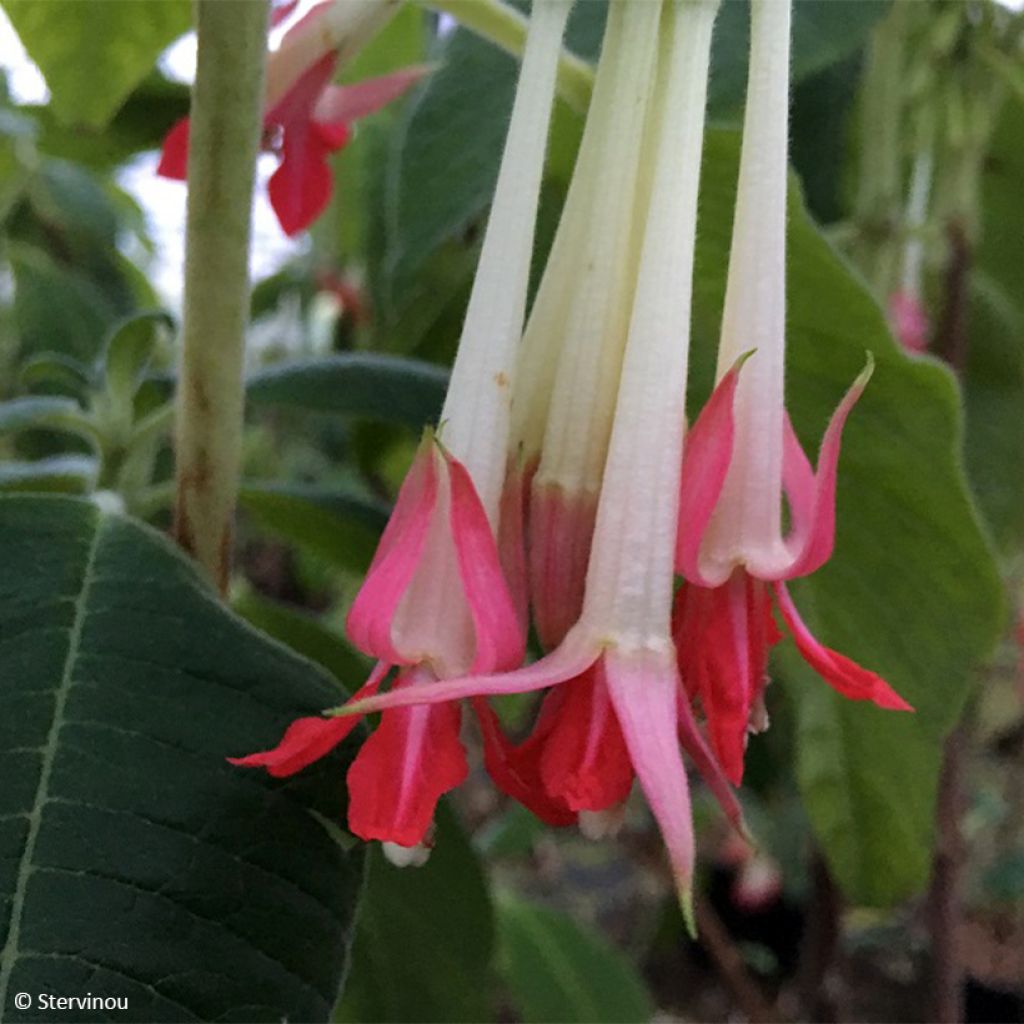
(909, 321)
(309, 122)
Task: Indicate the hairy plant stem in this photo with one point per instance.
(227, 103)
(504, 26)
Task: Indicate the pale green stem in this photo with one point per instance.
(504, 26)
(227, 104)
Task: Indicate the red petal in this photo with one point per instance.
(706, 456)
(722, 638)
(413, 758)
(281, 10)
(842, 674)
(174, 156)
(500, 643)
(301, 186)
(516, 769)
(396, 558)
(585, 763)
(308, 739)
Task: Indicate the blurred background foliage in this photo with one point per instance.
(351, 337)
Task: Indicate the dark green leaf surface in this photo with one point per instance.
(136, 862)
(911, 591)
(340, 526)
(69, 40)
(559, 971)
(368, 385)
(425, 939)
(45, 413)
(994, 376)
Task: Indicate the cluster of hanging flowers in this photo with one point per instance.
(563, 487)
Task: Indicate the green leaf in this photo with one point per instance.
(139, 864)
(93, 55)
(51, 371)
(994, 374)
(305, 634)
(341, 526)
(425, 939)
(130, 348)
(375, 386)
(68, 474)
(824, 32)
(557, 970)
(45, 413)
(911, 591)
(56, 308)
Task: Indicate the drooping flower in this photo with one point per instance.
(435, 603)
(617, 693)
(909, 320)
(573, 346)
(307, 121)
(742, 455)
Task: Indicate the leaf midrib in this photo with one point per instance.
(11, 947)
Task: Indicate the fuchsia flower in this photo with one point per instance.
(742, 455)
(618, 707)
(909, 320)
(435, 603)
(309, 121)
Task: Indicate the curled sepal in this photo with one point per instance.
(843, 675)
(308, 739)
(812, 498)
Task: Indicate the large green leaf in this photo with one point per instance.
(994, 375)
(376, 386)
(559, 971)
(93, 55)
(425, 938)
(911, 591)
(137, 863)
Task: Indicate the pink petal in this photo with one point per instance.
(413, 757)
(573, 657)
(816, 546)
(516, 769)
(347, 103)
(500, 643)
(174, 156)
(308, 739)
(909, 321)
(643, 687)
(281, 10)
(798, 485)
(394, 564)
(706, 457)
(842, 674)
